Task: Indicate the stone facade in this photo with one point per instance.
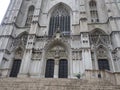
(92, 36)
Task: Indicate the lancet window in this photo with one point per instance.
(93, 11)
(49, 68)
(30, 15)
(60, 18)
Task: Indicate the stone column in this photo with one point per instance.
(95, 59)
(70, 65)
(118, 59)
(56, 68)
(86, 55)
(112, 61)
(86, 51)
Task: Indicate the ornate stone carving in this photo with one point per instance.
(99, 37)
(60, 11)
(101, 52)
(36, 55)
(19, 53)
(57, 52)
(76, 55)
(20, 41)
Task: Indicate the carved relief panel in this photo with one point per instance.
(57, 52)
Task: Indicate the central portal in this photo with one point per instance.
(62, 68)
(56, 61)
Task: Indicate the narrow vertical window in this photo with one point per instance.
(63, 68)
(60, 18)
(15, 68)
(93, 11)
(49, 69)
(29, 16)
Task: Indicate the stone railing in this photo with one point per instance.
(113, 78)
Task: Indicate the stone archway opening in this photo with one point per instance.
(49, 73)
(63, 68)
(16, 62)
(56, 61)
(103, 61)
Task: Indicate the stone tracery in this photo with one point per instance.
(99, 37)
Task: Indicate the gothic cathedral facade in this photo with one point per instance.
(59, 38)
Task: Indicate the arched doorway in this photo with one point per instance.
(19, 44)
(16, 63)
(99, 41)
(63, 68)
(15, 68)
(103, 63)
(49, 73)
(57, 51)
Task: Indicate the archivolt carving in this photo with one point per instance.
(99, 37)
(60, 11)
(76, 55)
(20, 41)
(36, 55)
(57, 52)
(101, 52)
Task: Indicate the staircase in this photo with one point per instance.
(55, 84)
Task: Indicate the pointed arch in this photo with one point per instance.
(58, 49)
(98, 31)
(99, 37)
(102, 46)
(93, 11)
(52, 8)
(21, 34)
(102, 49)
(60, 18)
(57, 42)
(20, 40)
(16, 63)
(103, 61)
(30, 15)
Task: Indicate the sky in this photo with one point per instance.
(3, 7)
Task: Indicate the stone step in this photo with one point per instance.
(55, 84)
